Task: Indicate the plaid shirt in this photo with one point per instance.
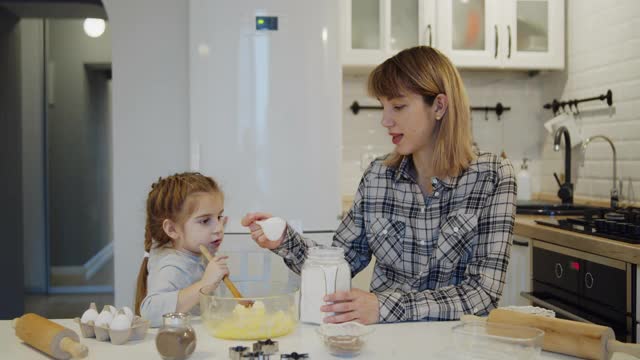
(437, 256)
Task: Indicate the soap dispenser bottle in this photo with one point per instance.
(524, 181)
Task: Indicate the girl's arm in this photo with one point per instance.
(213, 274)
(189, 297)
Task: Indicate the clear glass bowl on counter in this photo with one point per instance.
(267, 310)
(482, 340)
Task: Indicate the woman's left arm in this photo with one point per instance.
(484, 276)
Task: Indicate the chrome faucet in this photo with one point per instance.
(614, 189)
(565, 193)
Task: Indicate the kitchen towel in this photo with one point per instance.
(568, 121)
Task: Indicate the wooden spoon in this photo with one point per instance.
(227, 281)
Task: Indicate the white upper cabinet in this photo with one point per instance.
(374, 30)
(482, 34)
(510, 34)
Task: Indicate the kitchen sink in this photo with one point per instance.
(531, 208)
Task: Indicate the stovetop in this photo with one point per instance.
(621, 224)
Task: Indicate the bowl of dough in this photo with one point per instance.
(267, 310)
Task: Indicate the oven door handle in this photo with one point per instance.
(549, 306)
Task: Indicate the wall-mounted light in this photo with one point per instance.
(94, 27)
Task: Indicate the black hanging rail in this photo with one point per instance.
(499, 109)
(555, 105)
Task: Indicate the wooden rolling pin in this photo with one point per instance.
(589, 341)
(50, 338)
(227, 281)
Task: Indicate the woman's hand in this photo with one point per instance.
(215, 271)
(257, 235)
(355, 305)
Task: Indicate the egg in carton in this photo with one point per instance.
(117, 326)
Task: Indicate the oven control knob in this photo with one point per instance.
(588, 280)
(559, 270)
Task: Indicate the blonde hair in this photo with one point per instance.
(169, 199)
(427, 72)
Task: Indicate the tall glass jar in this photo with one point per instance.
(325, 271)
(176, 339)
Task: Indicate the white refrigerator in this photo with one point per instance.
(265, 116)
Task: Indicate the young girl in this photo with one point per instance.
(184, 211)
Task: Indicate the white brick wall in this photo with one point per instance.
(603, 52)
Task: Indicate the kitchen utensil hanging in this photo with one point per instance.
(556, 105)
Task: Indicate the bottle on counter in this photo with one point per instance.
(524, 181)
(324, 272)
(176, 339)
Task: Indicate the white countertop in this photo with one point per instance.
(420, 340)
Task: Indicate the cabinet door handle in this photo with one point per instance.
(495, 55)
(509, 32)
(520, 243)
(427, 30)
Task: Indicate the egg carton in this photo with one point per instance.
(136, 331)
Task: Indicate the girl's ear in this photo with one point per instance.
(170, 229)
(440, 105)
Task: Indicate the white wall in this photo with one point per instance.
(603, 52)
(150, 118)
(519, 132)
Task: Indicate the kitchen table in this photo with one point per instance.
(415, 340)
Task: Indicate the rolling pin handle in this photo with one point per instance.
(626, 348)
(76, 349)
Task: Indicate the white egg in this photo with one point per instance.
(273, 227)
(113, 310)
(89, 315)
(104, 318)
(128, 312)
(120, 322)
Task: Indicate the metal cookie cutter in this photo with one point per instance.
(257, 355)
(237, 352)
(268, 347)
(294, 356)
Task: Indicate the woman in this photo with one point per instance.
(437, 215)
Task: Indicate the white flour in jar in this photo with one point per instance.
(324, 272)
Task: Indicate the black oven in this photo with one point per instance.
(585, 287)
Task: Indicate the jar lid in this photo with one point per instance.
(176, 319)
(326, 252)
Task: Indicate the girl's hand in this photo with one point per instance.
(257, 235)
(358, 305)
(215, 271)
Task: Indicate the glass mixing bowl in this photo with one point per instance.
(267, 310)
